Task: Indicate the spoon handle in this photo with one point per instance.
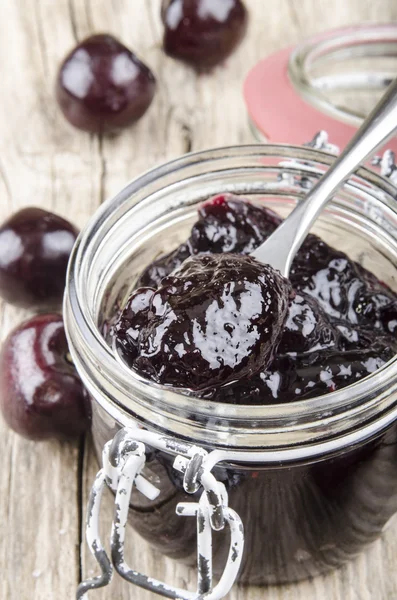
(280, 248)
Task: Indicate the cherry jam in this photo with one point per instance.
(199, 318)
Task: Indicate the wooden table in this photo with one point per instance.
(44, 162)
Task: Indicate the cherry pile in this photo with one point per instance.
(340, 324)
(101, 87)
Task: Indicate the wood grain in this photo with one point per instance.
(43, 161)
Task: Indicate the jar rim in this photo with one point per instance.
(300, 421)
(358, 39)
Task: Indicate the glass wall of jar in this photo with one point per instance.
(344, 72)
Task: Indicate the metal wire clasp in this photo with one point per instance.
(289, 178)
(123, 460)
(387, 164)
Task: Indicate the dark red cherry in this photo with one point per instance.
(35, 246)
(203, 32)
(41, 395)
(102, 86)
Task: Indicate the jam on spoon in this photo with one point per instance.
(215, 319)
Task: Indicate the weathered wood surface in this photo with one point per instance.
(43, 161)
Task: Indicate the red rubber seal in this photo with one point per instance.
(281, 115)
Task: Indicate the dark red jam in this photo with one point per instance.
(210, 319)
(216, 319)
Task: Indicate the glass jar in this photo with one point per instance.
(329, 82)
(313, 481)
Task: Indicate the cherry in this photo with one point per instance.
(102, 86)
(216, 319)
(41, 395)
(35, 246)
(203, 32)
(226, 224)
(307, 328)
(342, 287)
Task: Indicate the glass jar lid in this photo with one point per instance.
(330, 81)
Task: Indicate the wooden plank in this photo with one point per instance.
(39, 511)
(44, 161)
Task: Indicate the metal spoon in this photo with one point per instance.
(280, 248)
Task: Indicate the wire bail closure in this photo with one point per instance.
(123, 459)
